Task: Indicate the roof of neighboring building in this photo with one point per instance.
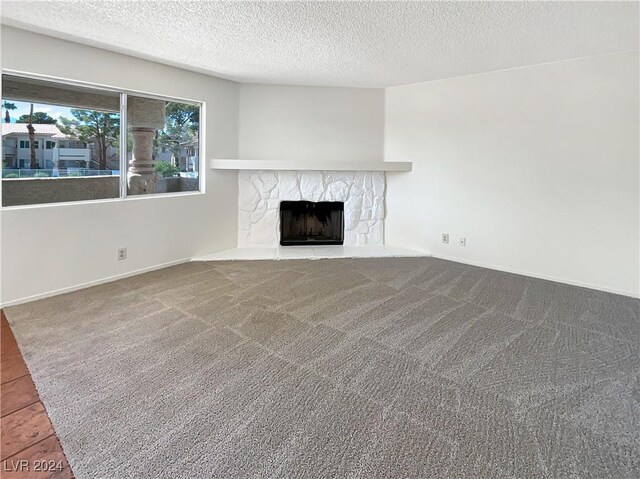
(40, 129)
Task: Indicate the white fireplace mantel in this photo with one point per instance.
(324, 165)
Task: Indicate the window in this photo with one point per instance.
(88, 152)
(163, 138)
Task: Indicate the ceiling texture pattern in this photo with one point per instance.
(357, 44)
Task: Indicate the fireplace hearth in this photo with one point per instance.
(308, 222)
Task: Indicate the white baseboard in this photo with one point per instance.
(633, 294)
(108, 279)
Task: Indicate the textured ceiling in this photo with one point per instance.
(364, 44)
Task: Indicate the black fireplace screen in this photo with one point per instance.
(306, 222)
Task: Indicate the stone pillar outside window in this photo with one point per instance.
(145, 116)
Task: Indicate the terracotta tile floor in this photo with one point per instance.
(30, 448)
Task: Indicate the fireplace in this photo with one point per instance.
(306, 222)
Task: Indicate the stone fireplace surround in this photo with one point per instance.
(260, 193)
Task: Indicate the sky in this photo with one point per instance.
(55, 111)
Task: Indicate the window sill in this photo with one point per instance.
(107, 200)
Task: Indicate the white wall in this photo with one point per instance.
(310, 123)
(537, 167)
(49, 248)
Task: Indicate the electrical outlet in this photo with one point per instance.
(122, 254)
(462, 241)
(445, 238)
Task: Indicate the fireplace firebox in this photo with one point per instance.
(306, 222)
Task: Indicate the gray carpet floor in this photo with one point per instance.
(397, 367)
